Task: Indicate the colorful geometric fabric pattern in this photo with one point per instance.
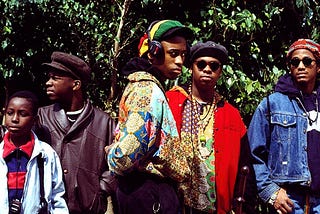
(147, 138)
(199, 191)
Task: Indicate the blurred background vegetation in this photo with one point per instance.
(257, 35)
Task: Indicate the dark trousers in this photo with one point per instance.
(142, 193)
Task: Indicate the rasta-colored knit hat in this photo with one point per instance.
(162, 30)
(304, 44)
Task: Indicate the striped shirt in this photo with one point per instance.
(16, 159)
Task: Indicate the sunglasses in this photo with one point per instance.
(295, 62)
(213, 65)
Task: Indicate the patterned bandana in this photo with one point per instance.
(304, 44)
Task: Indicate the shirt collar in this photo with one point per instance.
(10, 147)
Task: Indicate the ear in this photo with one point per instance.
(76, 84)
(150, 57)
(155, 59)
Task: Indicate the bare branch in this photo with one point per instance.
(124, 10)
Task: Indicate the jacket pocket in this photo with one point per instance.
(284, 128)
(283, 125)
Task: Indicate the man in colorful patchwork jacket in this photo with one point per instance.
(147, 153)
(212, 132)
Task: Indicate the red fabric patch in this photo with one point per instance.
(16, 180)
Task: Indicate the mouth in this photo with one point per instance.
(13, 128)
(50, 92)
(175, 72)
(206, 78)
(178, 70)
(301, 75)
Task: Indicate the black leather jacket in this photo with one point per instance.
(81, 150)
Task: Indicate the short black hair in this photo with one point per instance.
(30, 96)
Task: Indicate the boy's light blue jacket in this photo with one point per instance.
(53, 183)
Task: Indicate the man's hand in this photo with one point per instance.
(283, 204)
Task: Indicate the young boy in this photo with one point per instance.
(19, 171)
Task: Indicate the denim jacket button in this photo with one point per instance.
(285, 122)
(305, 148)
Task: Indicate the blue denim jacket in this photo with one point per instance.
(283, 158)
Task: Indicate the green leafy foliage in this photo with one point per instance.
(106, 34)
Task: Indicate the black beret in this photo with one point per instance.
(209, 48)
(70, 64)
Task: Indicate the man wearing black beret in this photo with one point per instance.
(79, 132)
(212, 132)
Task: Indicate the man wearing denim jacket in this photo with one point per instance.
(284, 135)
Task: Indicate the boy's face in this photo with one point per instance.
(175, 51)
(19, 117)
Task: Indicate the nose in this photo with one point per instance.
(49, 83)
(179, 59)
(15, 118)
(207, 69)
(301, 64)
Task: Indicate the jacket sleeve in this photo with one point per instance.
(110, 129)
(135, 141)
(259, 141)
(58, 204)
(107, 181)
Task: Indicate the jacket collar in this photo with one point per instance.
(144, 76)
(62, 121)
(9, 147)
